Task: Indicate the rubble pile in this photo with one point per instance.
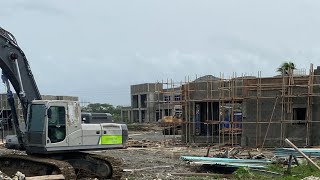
(17, 176)
(143, 143)
(3, 176)
(311, 178)
(146, 143)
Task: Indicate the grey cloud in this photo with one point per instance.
(96, 49)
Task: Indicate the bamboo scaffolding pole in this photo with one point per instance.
(186, 109)
(232, 108)
(257, 112)
(207, 112)
(254, 122)
(282, 111)
(309, 105)
(266, 134)
(221, 112)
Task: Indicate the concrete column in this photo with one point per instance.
(140, 116)
(162, 112)
(129, 117)
(147, 116)
(121, 116)
(139, 107)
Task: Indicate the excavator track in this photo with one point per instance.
(117, 164)
(89, 165)
(32, 165)
(75, 165)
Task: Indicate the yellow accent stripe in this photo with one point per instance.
(111, 139)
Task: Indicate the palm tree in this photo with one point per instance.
(286, 68)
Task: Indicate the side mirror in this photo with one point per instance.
(49, 113)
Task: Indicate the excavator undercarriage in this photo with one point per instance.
(75, 165)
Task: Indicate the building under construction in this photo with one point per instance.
(241, 110)
(253, 111)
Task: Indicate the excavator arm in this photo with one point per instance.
(15, 67)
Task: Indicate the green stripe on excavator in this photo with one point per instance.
(111, 139)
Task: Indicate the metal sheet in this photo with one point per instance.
(197, 158)
(251, 163)
(281, 152)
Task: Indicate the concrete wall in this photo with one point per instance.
(147, 87)
(147, 98)
(269, 107)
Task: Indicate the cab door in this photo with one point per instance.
(74, 129)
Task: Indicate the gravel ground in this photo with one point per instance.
(156, 162)
(147, 163)
(153, 163)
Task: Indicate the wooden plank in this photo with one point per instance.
(146, 168)
(46, 177)
(200, 174)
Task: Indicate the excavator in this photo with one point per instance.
(55, 140)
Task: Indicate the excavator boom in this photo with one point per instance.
(16, 68)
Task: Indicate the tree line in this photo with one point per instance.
(104, 108)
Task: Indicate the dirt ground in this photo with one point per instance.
(157, 162)
(154, 162)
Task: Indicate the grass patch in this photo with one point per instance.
(297, 172)
(201, 178)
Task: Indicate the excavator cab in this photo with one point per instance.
(46, 123)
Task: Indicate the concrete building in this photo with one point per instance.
(247, 110)
(150, 102)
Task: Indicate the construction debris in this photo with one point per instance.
(146, 143)
(47, 177)
(304, 155)
(201, 174)
(142, 144)
(17, 176)
(146, 168)
(311, 178)
(4, 176)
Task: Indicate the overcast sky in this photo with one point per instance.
(96, 49)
